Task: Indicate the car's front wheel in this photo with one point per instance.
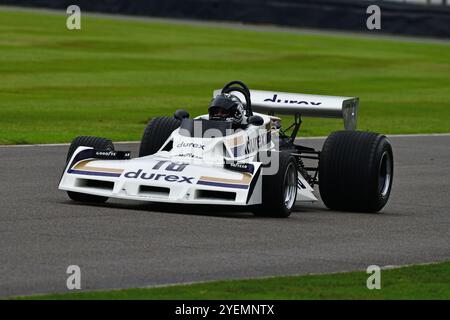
(279, 191)
(96, 143)
(157, 131)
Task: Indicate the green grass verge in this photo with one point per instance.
(110, 77)
(415, 282)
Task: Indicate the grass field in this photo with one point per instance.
(416, 282)
(110, 77)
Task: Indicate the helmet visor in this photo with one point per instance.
(219, 113)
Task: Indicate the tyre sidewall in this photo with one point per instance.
(376, 199)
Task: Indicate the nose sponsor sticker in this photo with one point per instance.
(140, 174)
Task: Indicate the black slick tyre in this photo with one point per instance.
(96, 143)
(279, 191)
(356, 171)
(156, 133)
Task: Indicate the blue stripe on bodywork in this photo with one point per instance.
(91, 173)
(238, 150)
(224, 185)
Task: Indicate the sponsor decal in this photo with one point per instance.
(241, 146)
(239, 166)
(191, 145)
(105, 153)
(188, 155)
(140, 174)
(275, 99)
(254, 144)
(112, 155)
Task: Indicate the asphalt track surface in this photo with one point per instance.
(126, 244)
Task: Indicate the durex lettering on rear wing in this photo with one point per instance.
(308, 105)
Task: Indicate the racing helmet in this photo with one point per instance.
(226, 107)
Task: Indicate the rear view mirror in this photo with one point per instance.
(256, 120)
(181, 114)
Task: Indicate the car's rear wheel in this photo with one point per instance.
(158, 130)
(279, 191)
(356, 171)
(96, 143)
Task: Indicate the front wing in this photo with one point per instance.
(156, 178)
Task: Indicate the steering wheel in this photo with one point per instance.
(242, 89)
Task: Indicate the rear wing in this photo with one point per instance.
(308, 105)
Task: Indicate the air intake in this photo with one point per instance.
(154, 191)
(95, 184)
(216, 195)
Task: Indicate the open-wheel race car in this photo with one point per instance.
(239, 155)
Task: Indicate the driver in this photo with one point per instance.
(227, 107)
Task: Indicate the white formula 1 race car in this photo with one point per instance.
(212, 159)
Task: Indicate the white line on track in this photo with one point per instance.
(299, 138)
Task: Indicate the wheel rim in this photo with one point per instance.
(290, 186)
(385, 174)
